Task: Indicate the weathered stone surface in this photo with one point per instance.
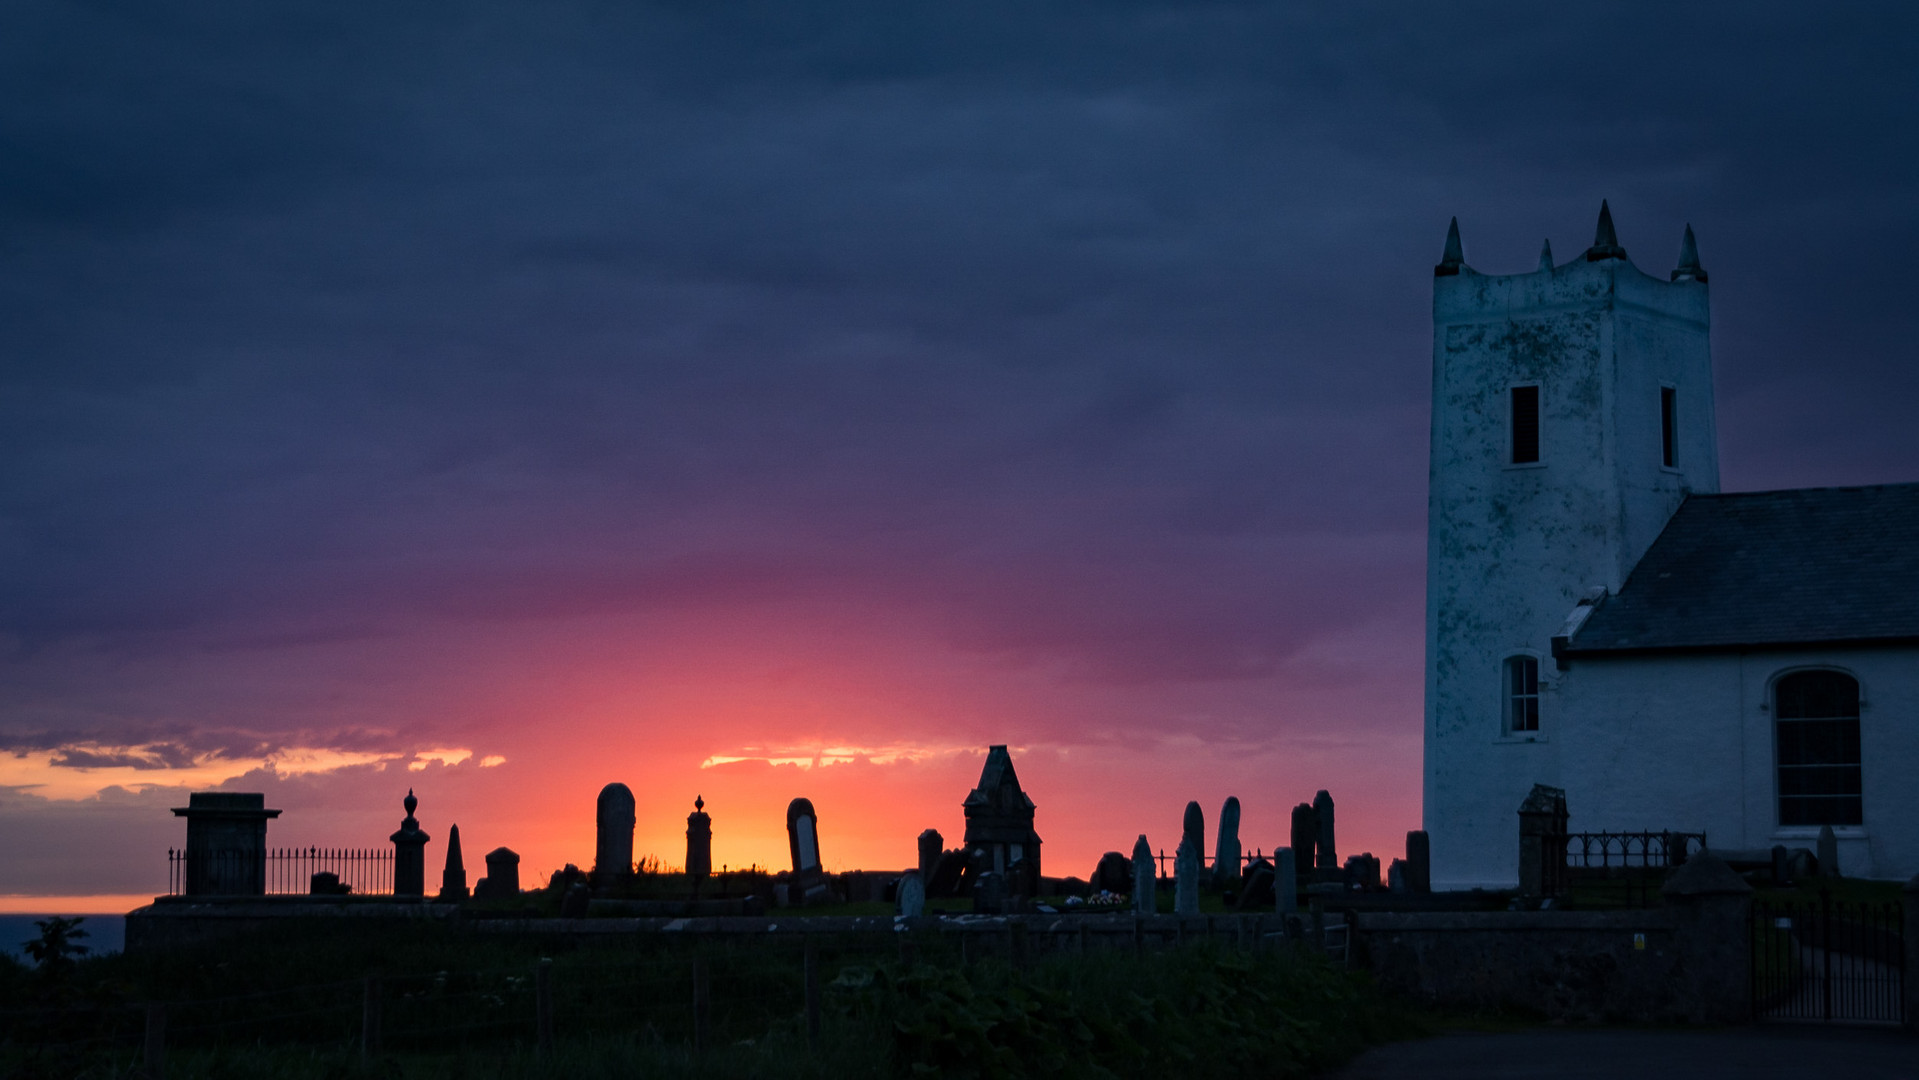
(1226, 850)
(1305, 836)
(803, 842)
(999, 822)
(1145, 881)
(1419, 862)
(226, 843)
(1186, 879)
(1285, 881)
(1193, 828)
(613, 835)
(911, 902)
(1325, 851)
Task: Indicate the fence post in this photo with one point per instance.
(1910, 909)
(370, 1021)
(543, 1004)
(153, 1055)
(813, 996)
(699, 1005)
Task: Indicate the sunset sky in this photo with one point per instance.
(768, 399)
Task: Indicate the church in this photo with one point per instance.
(1601, 618)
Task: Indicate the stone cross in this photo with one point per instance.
(912, 896)
(1145, 898)
(1419, 862)
(1305, 835)
(1226, 846)
(1325, 851)
(453, 878)
(409, 853)
(699, 843)
(1186, 878)
(613, 851)
(1285, 882)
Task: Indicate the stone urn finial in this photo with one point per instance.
(699, 803)
(409, 802)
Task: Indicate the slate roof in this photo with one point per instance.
(1770, 568)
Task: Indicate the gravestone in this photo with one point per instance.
(1186, 878)
(699, 844)
(999, 821)
(1226, 867)
(803, 841)
(1828, 852)
(1305, 836)
(327, 883)
(1285, 881)
(1779, 874)
(1255, 888)
(1193, 828)
(930, 850)
(453, 878)
(1542, 841)
(1145, 890)
(1326, 852)
(947, 873)
(613, 847)
(1419, 862)
(1114, 874)
(1362, 872)
(575, 901)
(989, 893)
(502, 881)
(409, 853)
(1396, 877)
(911, 896)
(226, 852)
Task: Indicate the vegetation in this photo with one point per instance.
(463, 1004)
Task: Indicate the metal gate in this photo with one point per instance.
(1828, 961)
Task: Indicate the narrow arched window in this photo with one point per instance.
(1522, 694)
(1816, 714)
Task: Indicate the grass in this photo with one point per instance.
(452, 1005)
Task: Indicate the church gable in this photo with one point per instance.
(1770, 568)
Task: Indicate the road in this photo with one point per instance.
(1784, 1052)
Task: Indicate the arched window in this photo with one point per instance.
(1522, 694)
(1816, 715)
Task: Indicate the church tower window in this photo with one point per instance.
(1669, 426)
(1522, 695)
(1525, 424)
(1816, 714)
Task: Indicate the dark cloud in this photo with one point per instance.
(1095, 333)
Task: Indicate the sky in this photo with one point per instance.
(765, 400)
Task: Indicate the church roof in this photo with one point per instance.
(1769, 568)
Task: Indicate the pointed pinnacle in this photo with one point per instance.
(1546, 255)
(1689, 268)
(1605, 238)
(1454, 257)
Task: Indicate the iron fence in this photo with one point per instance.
(1828, 961)
(278, 871)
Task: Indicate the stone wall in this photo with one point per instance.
(1689, 962)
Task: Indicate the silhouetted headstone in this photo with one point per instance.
(1255, 887)
(1192, 827)
(453, 878)
(1325, 851)
(1305, 836)
(1226, 868)
(1828, 851)
(1419, 862)
(1362, 872)
(930, 850)
(699, 843)
(409, 853)
(947, 873)
(613, 845)
(1186, 878)
(999, 820)
(226, 851)
(803, 841)
(1285, 880)
(502, 881)
(575, 900)
(327, 883)
(1542, 841)
(1145, 899)
(989, 893)
(1114, 874)
(911, 902)
(1396, 877)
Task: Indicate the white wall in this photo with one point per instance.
(1685, 741)
(1511, 548)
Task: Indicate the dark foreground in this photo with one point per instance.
(1760, 1053)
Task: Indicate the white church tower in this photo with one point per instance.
(1572, 414)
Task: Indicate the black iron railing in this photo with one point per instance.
(278, 871)
(1828, 960)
